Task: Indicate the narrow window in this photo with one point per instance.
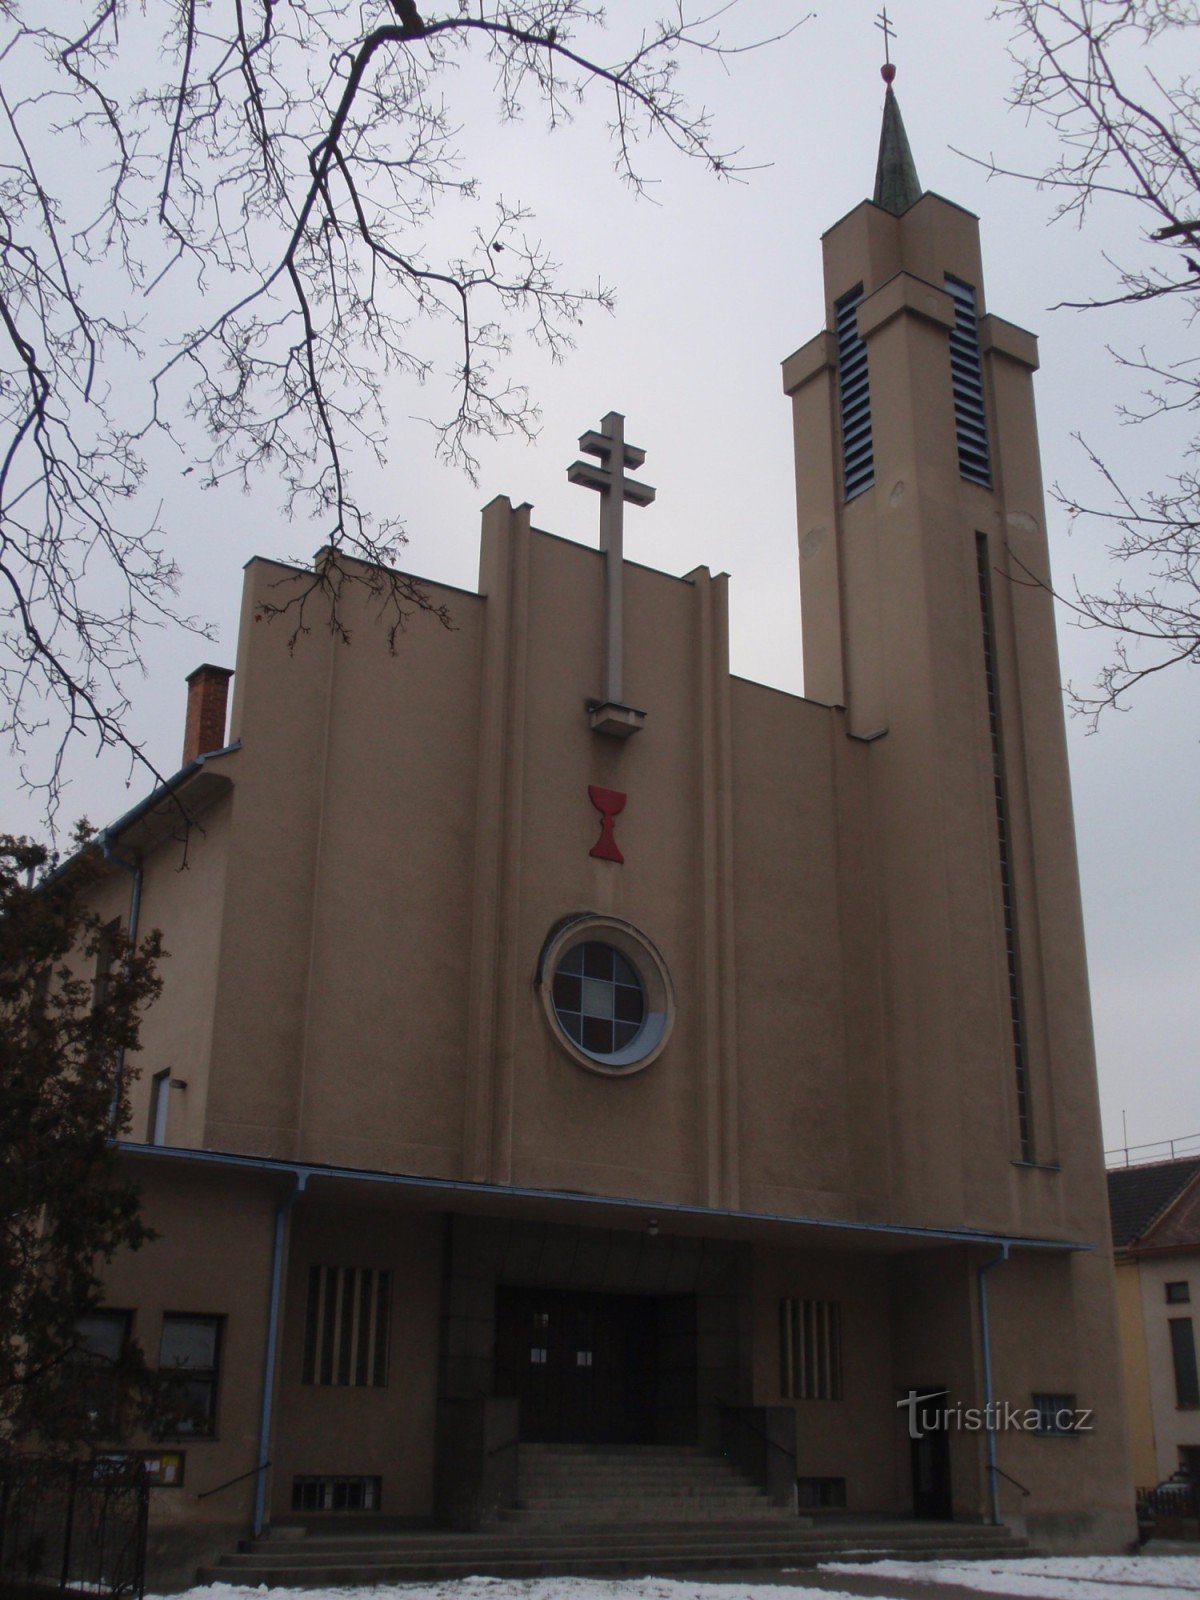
(810, 1350)
(102, 1340)
(189, 1351)
(1011, 954)
(346, 1327)
(160, 1104)
(1183, 1353)
(1189, 1462)
(1178, 1294)
(966, 377)
(858, 447)
(1056, 1414)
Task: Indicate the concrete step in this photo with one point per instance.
(660, 1542)
(625, 1564)
(324, 1550)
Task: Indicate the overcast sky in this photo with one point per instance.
(717, 283)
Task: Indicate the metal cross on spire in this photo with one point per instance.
(884, 24)
(609, 478)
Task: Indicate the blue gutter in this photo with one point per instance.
(268, 1389)
(985, 1341)
(164, 792)
(659, 1208)
(135, 911)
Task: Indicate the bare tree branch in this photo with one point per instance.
(223, 231)
(1128, 132)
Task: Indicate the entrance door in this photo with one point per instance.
(931, 1457)
(584, 1366)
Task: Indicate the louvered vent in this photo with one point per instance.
(966, 374)
(858, 448)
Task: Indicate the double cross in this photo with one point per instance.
(615, 487)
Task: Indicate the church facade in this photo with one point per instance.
(564, 1039)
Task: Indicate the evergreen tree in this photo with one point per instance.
(66, 1042)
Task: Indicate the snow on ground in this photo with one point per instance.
(528, 1589)
(1047, 1578)
(1033, 1578)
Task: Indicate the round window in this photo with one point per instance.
(606, 993)
(598, 998)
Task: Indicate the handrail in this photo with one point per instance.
(740, 1413)
(229, 1482)
(1000, 1470)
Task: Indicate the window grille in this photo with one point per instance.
(335, 1494)
(346, 1329)
(810, 1350)
(1056, 1413)
(854, 392)
(966, 376)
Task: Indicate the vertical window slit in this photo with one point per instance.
(854, 394)
(1004, 853)
(966, 378)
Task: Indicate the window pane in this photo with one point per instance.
(572, 961)
(624, 1033)
(188, 1342)
(103, 1334)
(628, 1005)
(598, 961)
(597, 1035)
(622, 971)
(568, 990)
(1183, 1351)
(597, 998)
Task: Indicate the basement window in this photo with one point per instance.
(336, 1494)
(821, 1494)
(1056, 1415)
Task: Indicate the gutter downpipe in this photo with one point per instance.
(988, 1398)
(135, 911)
(268, 1392)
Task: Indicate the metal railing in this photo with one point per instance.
(1170, 1511)
(66, 1527)
(1136, 1155)
(747, 1442)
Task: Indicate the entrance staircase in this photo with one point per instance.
(605, 1512)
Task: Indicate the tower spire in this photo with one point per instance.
(896, 183)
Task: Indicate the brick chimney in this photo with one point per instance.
(208, 693)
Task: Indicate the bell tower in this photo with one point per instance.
(923, 554)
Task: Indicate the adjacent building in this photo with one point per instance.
(1156, 1236)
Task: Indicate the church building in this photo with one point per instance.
(573, 1053)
